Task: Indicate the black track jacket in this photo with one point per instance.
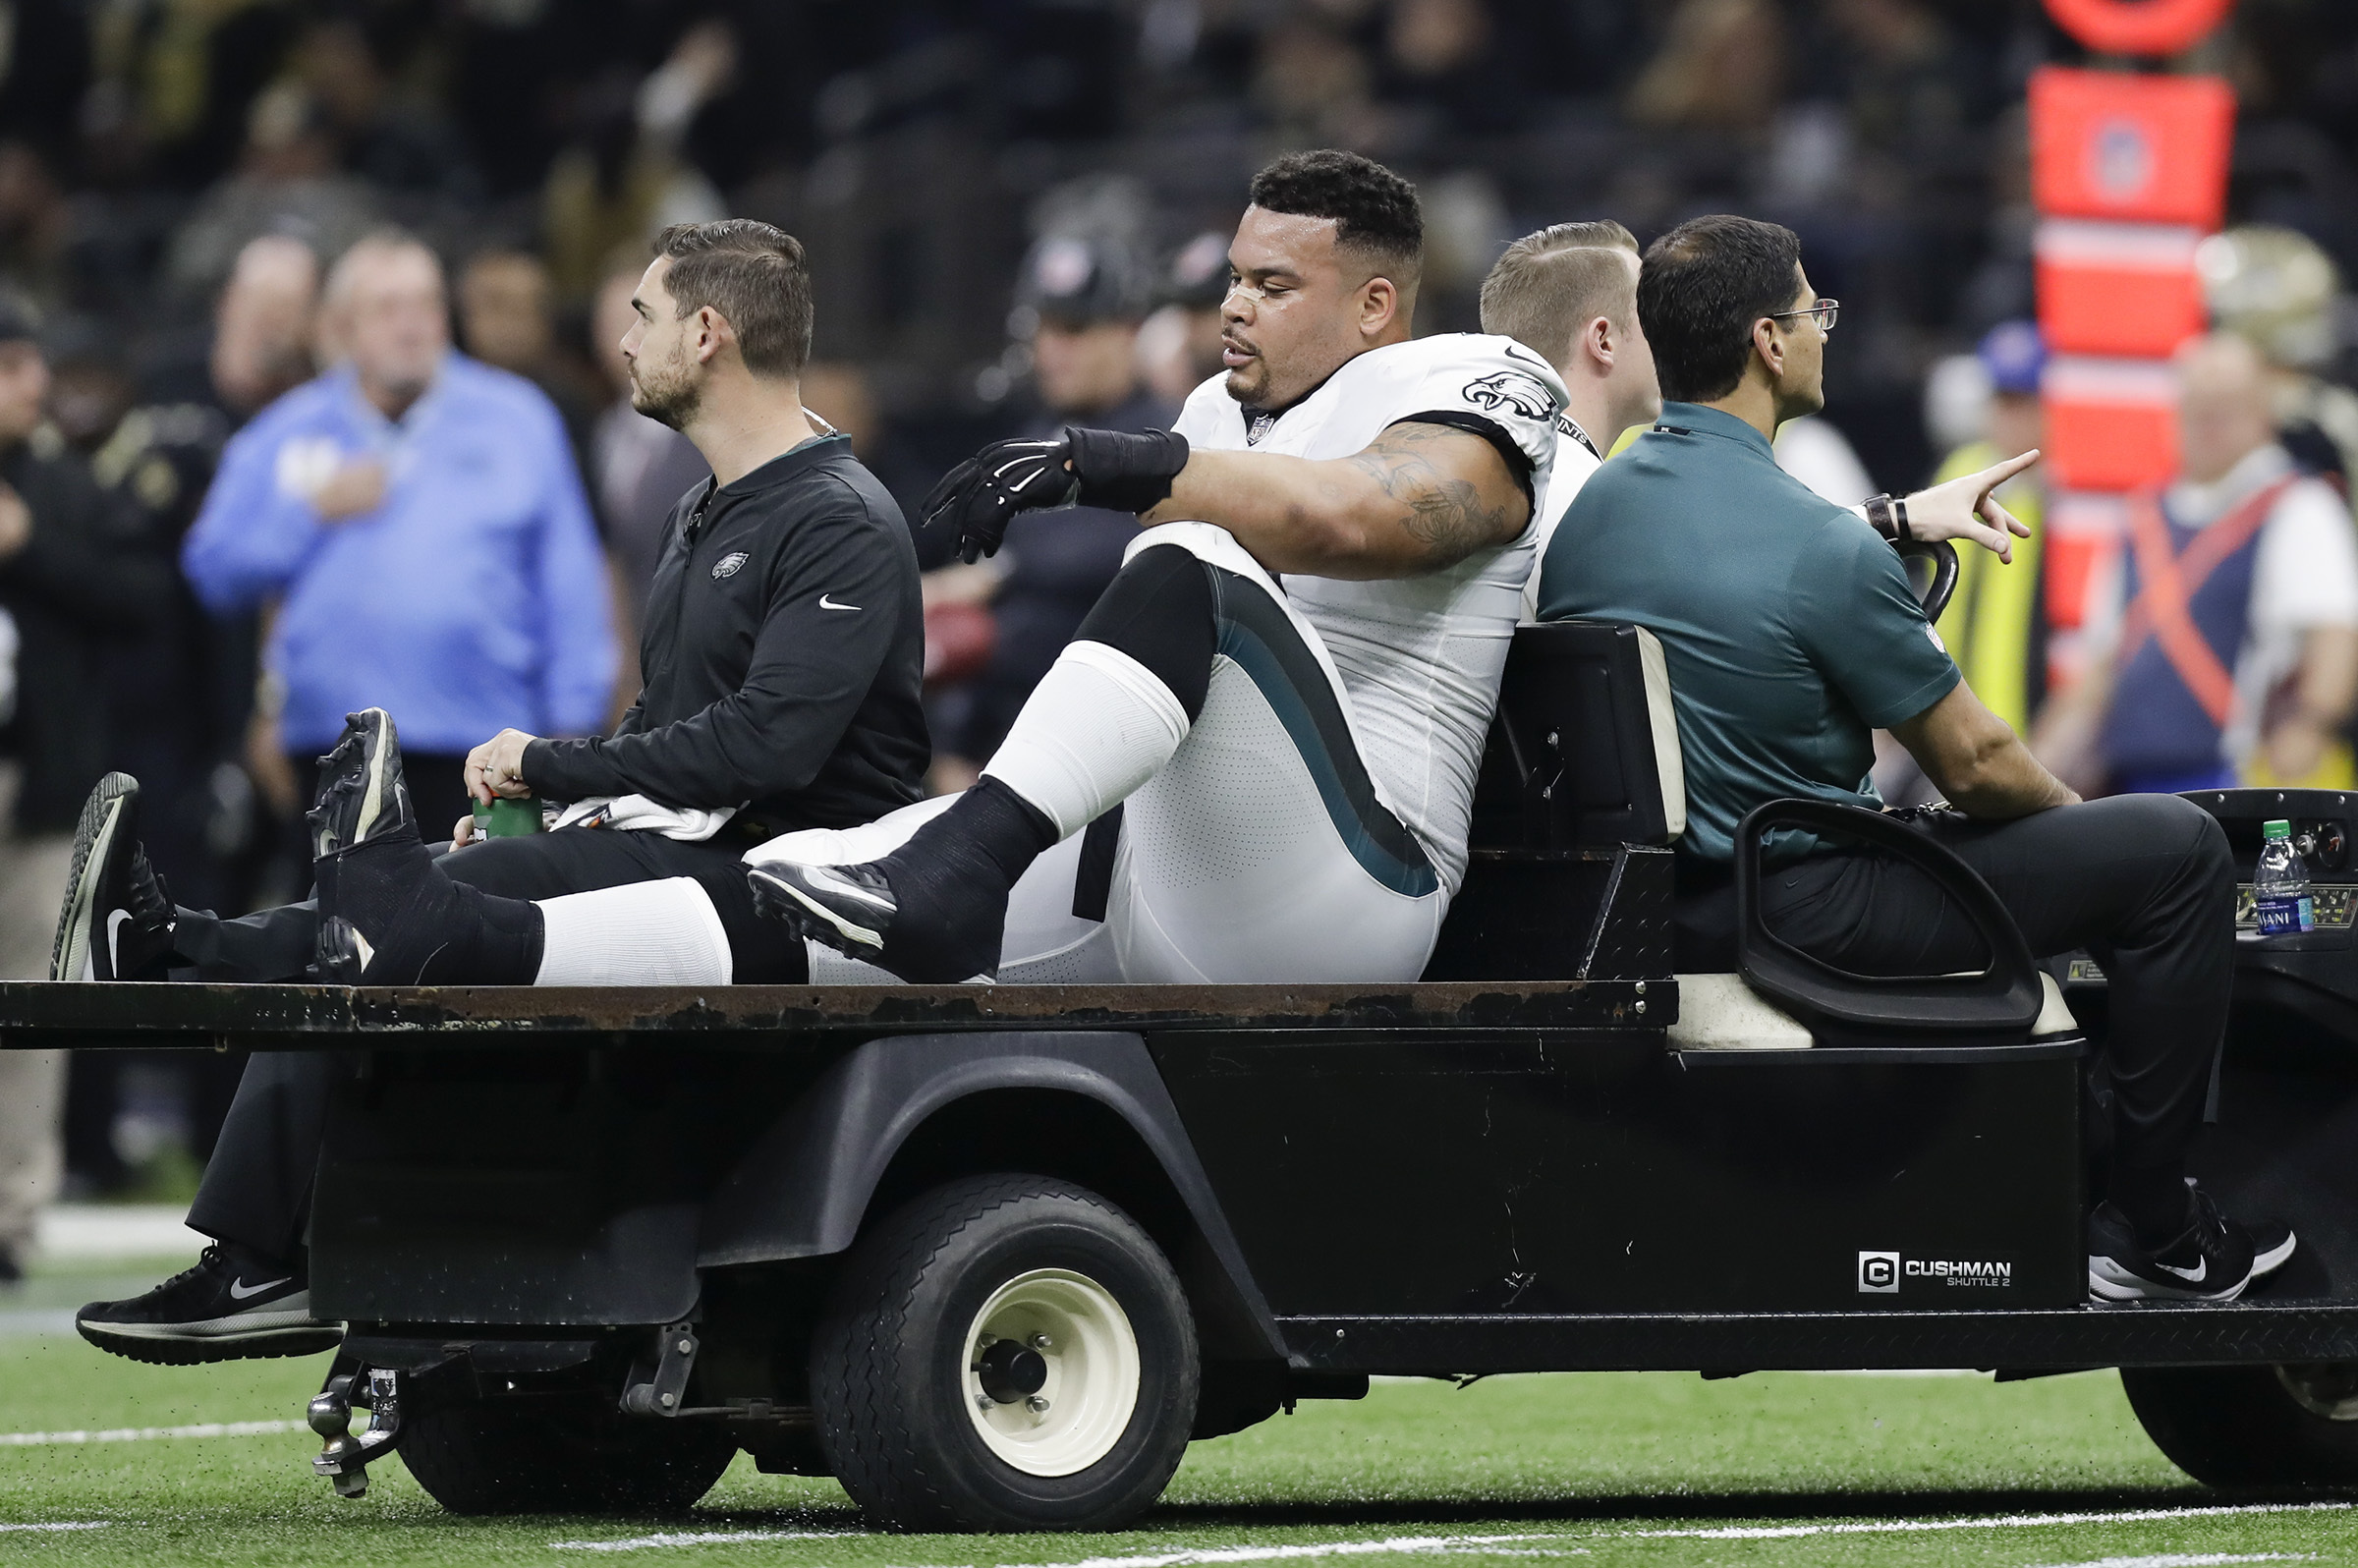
(782, 660)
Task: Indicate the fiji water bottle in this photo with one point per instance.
(2280, 886)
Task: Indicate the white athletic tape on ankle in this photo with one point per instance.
(644, 933)
(1097, 727)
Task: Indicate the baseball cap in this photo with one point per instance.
(2014, 354)
(1197, 275)
(1077, 279)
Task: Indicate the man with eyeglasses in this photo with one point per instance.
(1791, 635)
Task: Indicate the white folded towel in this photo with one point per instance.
(636, 814)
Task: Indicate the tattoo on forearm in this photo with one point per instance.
(1445, 514)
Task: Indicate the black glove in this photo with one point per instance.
(981, 496)
(1110, 469)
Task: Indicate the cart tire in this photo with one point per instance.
(539, 1457)
(2242, 1426)
(1095, 1399)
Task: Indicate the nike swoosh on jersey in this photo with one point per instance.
(239, 1290)
(826, 603)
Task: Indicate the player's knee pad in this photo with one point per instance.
(642, 933)
(1159, 612)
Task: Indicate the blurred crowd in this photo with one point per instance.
(310, 396)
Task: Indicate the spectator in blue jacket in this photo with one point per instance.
(417, 520)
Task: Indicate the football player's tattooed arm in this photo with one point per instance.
(1419, 498)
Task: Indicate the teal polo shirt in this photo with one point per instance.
(1787, 623)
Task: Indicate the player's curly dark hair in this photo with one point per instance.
(1702, 287)
(1375, 211)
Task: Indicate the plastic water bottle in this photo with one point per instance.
(2280, 886)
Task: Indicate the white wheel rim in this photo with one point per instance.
(2329, 1390)
(1087, 1366)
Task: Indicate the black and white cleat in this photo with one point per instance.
(848, 907)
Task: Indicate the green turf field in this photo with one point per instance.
(1650, 1470)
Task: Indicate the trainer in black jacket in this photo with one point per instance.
(782, 660)
(761, 692)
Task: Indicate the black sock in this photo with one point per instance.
(992, 821)
(1159, 609)
(957, 870)
(2155, 1201)
(424, 928)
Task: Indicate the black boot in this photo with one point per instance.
(388, 914)
(934, 909)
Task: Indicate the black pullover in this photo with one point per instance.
(782, 661)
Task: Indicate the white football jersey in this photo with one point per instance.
(1420, 657)
(1576, 457)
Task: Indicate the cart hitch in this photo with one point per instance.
(384, 1393)
(345, 1457)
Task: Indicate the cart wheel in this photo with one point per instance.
(2252, 1425)
(1005, 1353)
(503, 1456)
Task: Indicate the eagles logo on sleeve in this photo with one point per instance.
(1512, 390)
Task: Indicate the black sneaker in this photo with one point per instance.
(2212, 1258)
(117, 919)
(2271, 1241)
(235, 1304)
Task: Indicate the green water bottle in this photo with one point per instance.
(507, 818)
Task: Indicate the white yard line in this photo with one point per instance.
(142, 1434)
(1518, 1544)
(73, 1524)
(697, 1538)
(2192, 1559)
(1396, 1544)
(2000, 1522)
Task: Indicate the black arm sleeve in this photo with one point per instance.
(811, 670)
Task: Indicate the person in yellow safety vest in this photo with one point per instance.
(1995, 626)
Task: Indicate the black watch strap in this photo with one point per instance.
(1888, 515)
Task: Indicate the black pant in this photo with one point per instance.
(2142, 881)
(257, 1187)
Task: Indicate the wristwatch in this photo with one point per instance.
(1888, 515)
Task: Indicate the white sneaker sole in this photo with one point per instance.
(2108, 1281)
(237, 1325)
(2269, 1263)
(373, 801)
